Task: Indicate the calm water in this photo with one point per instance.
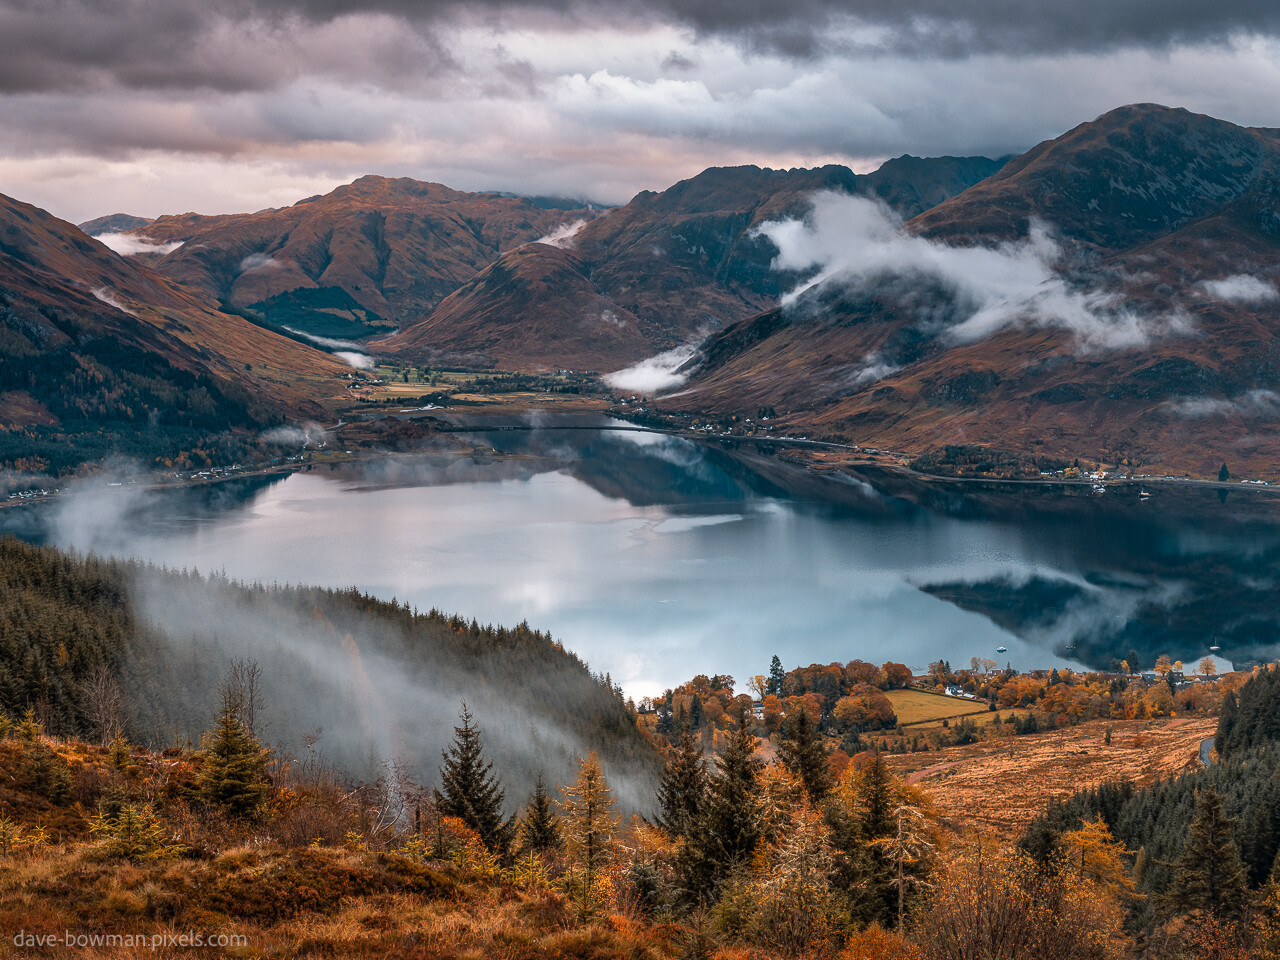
(656, 558)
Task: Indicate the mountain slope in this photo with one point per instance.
(669, 265)
(1134, 174)
(1141, 327)
(532, 307)
(398, 247)
(93, 342)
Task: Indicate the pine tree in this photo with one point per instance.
(540, 827)
(683, 789)
(801, 752)
(876, 801)
(1223, 473)
(1224, 737)
(861, 827)
(234, 775)
(728, 827)
(470, 790)
(590, 825)
(1209, 876)
(776, 676)
(47, 773)
(1258, 842)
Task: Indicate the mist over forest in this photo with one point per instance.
(371, 685)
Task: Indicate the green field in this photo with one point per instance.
(921, 707)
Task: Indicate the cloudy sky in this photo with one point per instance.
(162, 106)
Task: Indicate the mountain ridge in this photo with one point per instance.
(1187, 389)
(397, 246)
(98, 348)
(673, 264)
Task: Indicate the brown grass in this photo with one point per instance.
(999, 786)
(318, 902)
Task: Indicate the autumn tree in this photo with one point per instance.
(909, 851)
(470, 790)
(897, 675)
(683, 788)
(1093, 854)
(1207, 667)
(1009, 908)
(865, 708)
(788, 907)
(590, 825)
(1163, 664)
(859, 671)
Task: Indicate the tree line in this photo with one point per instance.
(1205, 844)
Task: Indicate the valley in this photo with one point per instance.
(407, 570)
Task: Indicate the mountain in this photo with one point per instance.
(667, 266)
(1110, 295)
(1133, 175)
(534, 307)
(100, 355)
(113, 223)
(391, 248)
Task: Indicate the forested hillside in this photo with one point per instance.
(1206, 841)
(1251, 717)
(96, 646)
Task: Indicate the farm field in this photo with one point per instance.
(919, 707)
(997, 787)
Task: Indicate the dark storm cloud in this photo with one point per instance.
(1011, 25)
(225, 46)
(958, 27)
(238, 45)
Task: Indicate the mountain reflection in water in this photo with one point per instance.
(656, 557)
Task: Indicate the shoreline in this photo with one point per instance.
(879, 459)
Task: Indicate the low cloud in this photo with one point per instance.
(360, 361)
(131, 244)
(329, 342)
(299, 435)
(258, 261)
(654, 374)
(563, 235)
(873, 368)
(1256, 404)
(859, 244)
(107, 297)
(1241, 288)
